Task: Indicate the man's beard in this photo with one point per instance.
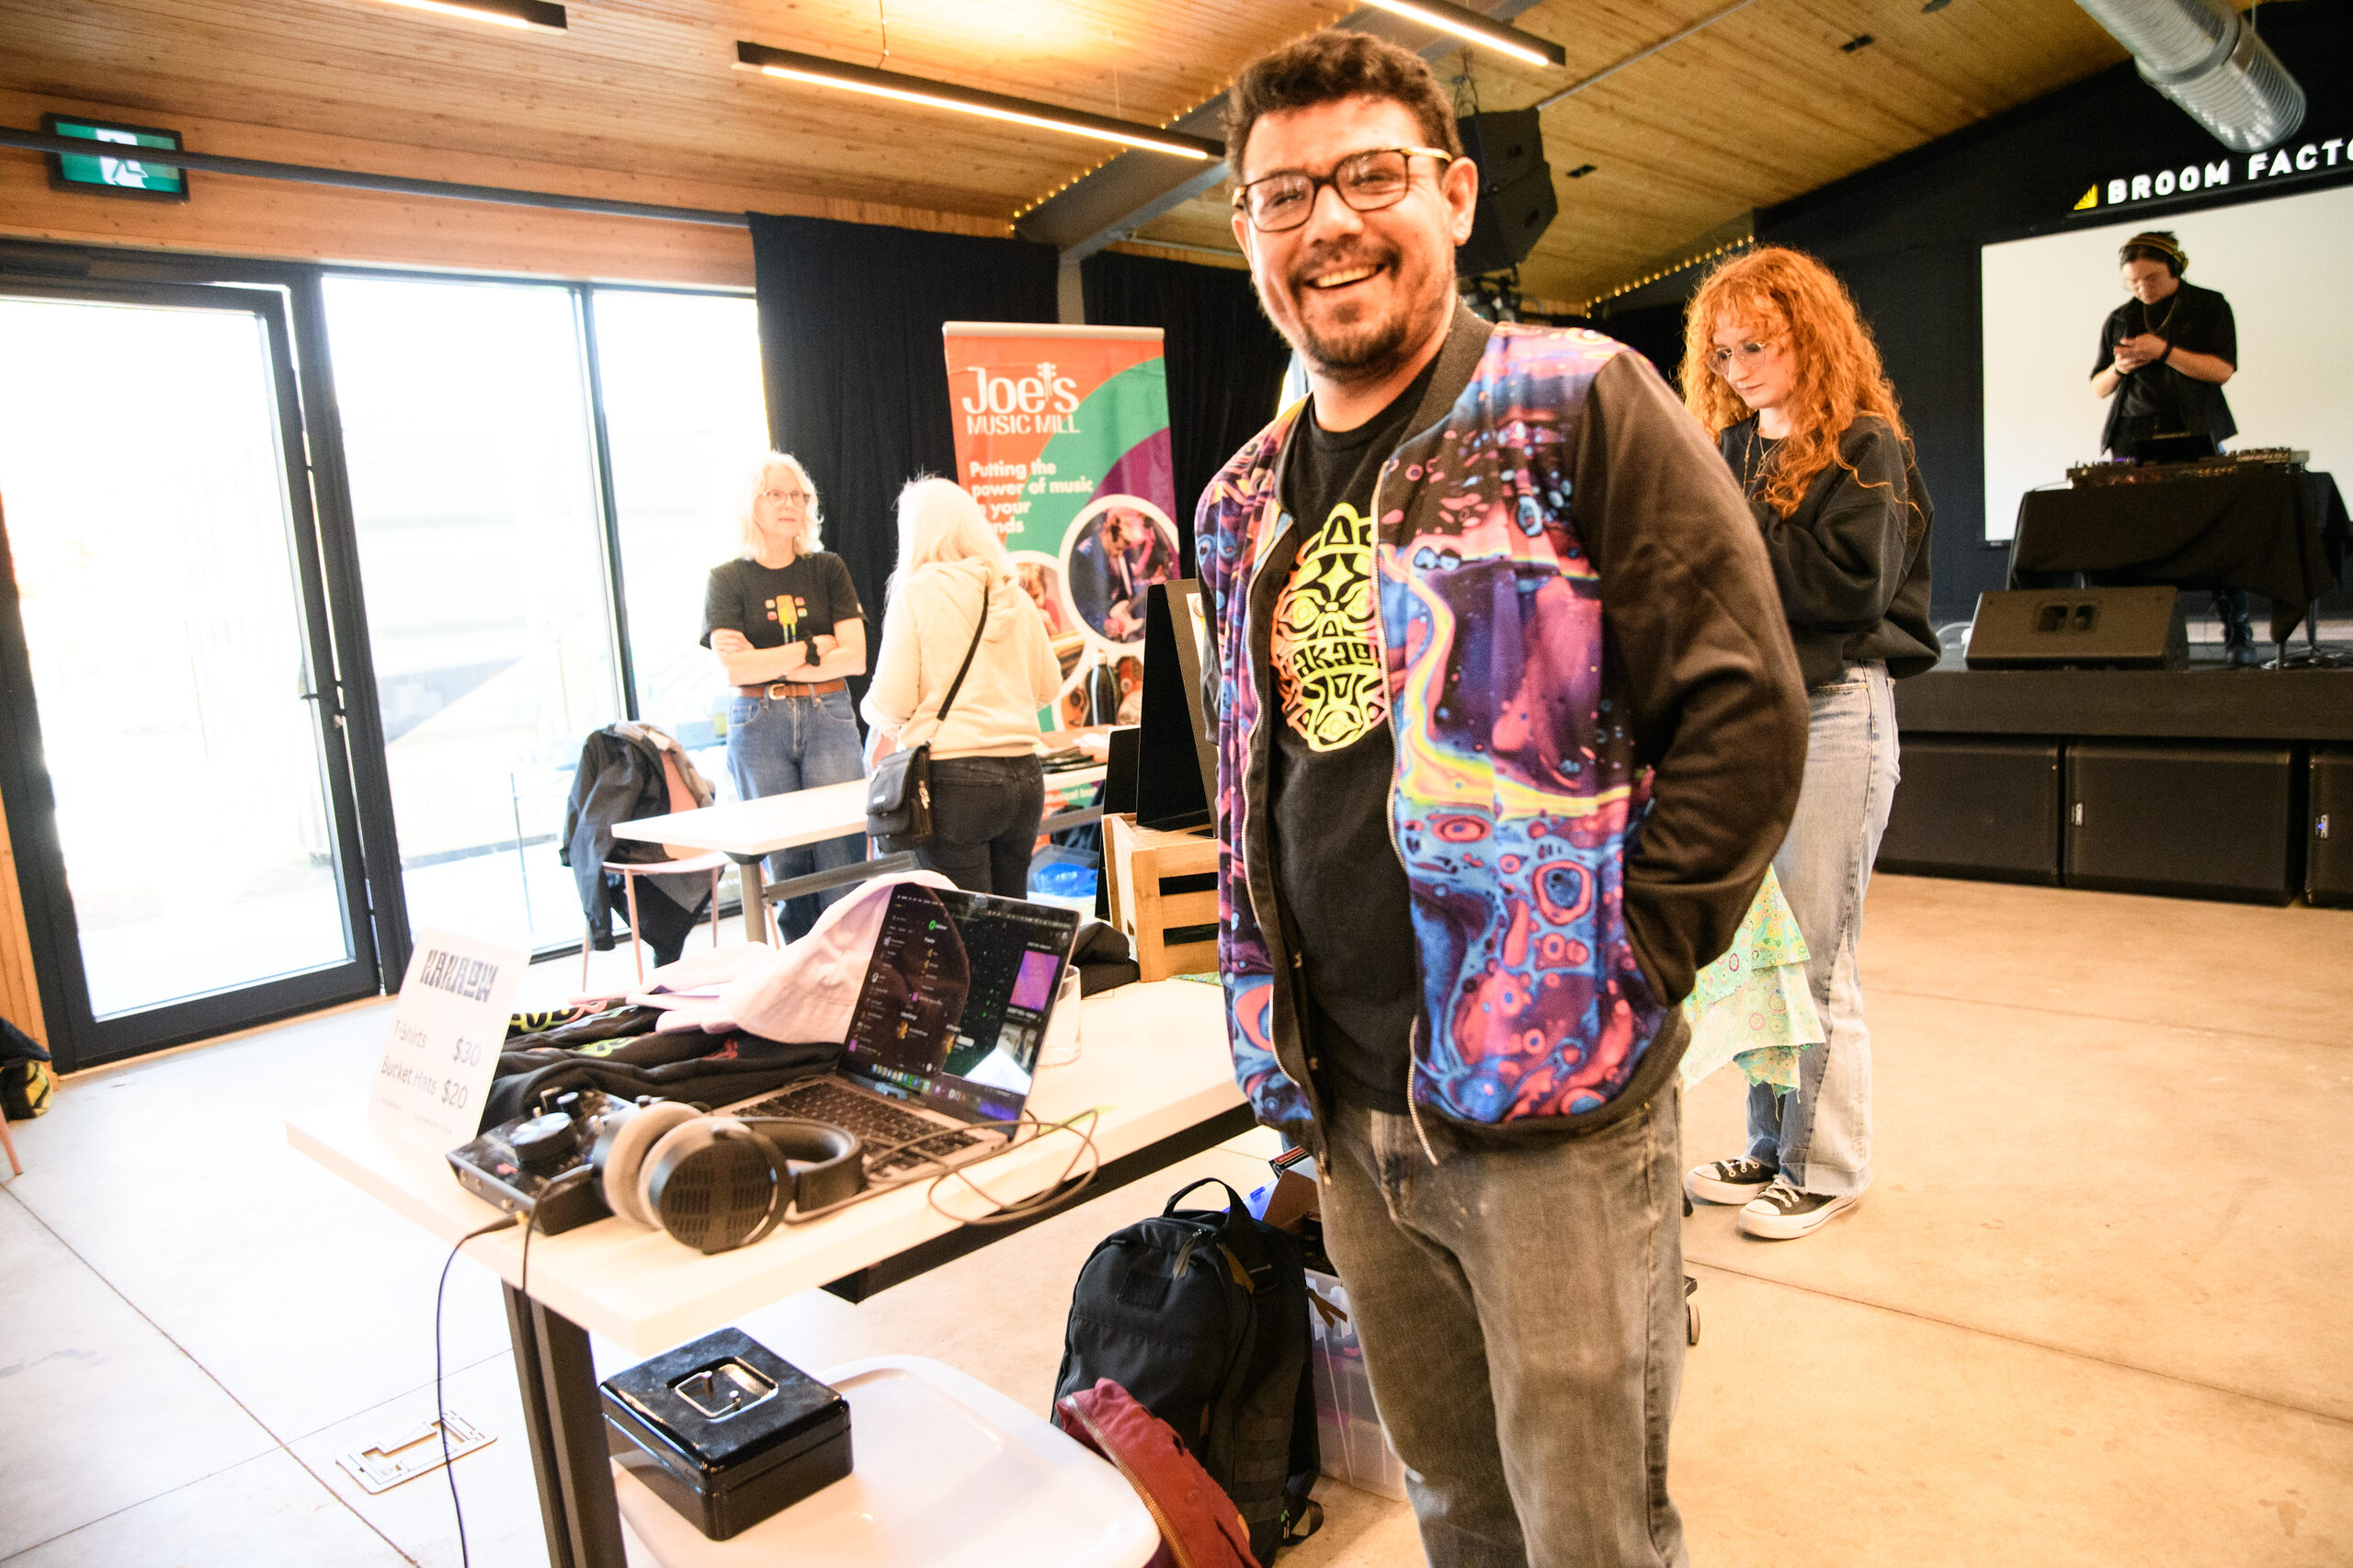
(1363, 350)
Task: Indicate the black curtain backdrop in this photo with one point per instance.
(857, 375)
(1225, 359)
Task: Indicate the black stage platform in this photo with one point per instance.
(2212, 702)
(2205, 783)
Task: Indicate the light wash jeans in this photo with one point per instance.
(1520, 1307)
(778, 744)
(1820, 1136)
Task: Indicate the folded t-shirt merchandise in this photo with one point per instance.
(532, 1023)
(694, 1068)
(608, 1023)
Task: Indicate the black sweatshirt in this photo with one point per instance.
(1852, 561)
(1703, 676)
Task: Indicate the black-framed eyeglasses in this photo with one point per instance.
(1366, 181)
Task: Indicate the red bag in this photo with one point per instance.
(1199, 1525)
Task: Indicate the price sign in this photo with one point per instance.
(446, 1029)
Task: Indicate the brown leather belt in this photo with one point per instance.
(796, 688)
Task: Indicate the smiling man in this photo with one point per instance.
(1509, 727)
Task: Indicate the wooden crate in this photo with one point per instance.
(1164, 896)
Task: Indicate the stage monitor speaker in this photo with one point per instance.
(1516, 201)
(2328, 853)
(2111, 629)
(2212, 820)
(1976, 806)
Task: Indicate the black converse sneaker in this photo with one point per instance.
(1727, 1181)
(1782, 1213)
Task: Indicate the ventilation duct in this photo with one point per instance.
(2206, 57)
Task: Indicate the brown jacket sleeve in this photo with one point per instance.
(1702, 661)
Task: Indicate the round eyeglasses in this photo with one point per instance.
(1720, 359)
(1366, 181)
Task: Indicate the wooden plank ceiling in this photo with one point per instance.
(1762, 107)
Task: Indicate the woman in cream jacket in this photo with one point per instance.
(988, 791)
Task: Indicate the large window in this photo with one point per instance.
(469, 423)
(466, 428)
(685, 424)
(147, 515)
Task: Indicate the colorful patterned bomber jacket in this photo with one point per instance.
(1599, 730)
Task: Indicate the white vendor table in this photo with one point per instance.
(1154, 1059)
(747, 830)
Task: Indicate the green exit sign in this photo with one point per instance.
(115, 166)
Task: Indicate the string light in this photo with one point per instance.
(1624, 289)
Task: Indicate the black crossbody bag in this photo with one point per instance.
(898, 794)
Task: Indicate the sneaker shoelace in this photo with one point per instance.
(1784, 1196)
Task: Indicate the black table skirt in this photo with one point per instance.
(2282, 535)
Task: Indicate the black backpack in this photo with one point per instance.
(1202, 1316)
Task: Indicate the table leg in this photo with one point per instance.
(566, 1426)
(756, 903)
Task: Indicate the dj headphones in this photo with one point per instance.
(2163, 246)
(720, 1182)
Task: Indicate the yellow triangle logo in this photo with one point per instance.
(2091, 199)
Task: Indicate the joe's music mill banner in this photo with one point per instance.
(1062, 434)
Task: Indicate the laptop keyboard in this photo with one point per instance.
(875, 1121)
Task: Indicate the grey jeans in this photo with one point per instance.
(1820, 1136)
(1521, 1312)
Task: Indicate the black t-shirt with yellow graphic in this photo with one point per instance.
(775, 604)
(1342, 883)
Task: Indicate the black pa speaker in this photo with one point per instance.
(1516, 201)
(1985, 807)
(2328, 855)
(2112, 628)
(2185, 818)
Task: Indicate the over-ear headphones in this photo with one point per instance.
(720, 1182)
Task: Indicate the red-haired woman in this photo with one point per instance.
(1780, 367)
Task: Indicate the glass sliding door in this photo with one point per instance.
(468, 440)
(684, 422)
(177, 792)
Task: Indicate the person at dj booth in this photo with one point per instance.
(2165, 355)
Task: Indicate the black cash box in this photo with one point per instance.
(726, 1431)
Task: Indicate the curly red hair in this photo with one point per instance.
(1786, 296)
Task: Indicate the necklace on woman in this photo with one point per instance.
(1754, 458)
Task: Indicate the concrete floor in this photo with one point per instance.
(2093, 1311)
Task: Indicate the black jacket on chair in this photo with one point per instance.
(620, 780)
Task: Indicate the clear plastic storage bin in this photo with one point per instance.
(1355, 1449)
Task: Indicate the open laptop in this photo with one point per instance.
(946, 1030)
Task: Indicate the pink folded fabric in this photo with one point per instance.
(806, 991)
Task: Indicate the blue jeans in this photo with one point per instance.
(1520, 1307)
(778, 744)
(984, 816)
(1820, 1136)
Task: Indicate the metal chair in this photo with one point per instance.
(681, 799)
(714, 862)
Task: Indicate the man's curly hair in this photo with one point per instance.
(1325, 67)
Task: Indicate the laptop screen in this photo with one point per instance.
(954, 1008)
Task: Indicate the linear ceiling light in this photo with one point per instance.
(539, 16)
(1520, 46)
(820, 73)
